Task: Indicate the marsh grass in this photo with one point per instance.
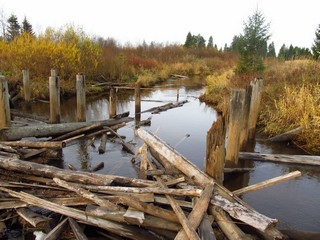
(291, 98)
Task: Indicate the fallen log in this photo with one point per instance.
(149, 221)
(127, 231)
(103, 142)
(13, 164)
(231, 230)
(287, 136)
(124, 144)
(31, 144)
(293, 159)
(35, 219)
(49, 130)
(205, 230)
(175, 158)
(165, 107)
(267, 183)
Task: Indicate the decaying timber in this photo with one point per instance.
(177, 204)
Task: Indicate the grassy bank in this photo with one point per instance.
(291, 98)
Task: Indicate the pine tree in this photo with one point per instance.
(26, 27)
(253, 44)
(13, 28)
(271, 50)
(200, 41)
(189, 40)
(316, 45)
(210, 42)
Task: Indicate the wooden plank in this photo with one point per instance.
(134, 216)
(205, 229)
(267, 183)
(284, 158)
(35, 219)
(78, 232)
(57, 231)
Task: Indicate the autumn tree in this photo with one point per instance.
(253, 44)
(13, 28)
(316, 45)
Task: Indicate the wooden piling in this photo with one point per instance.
(26, 85)
(234, 127)
(54, 89)
(215, 152)
(245, 117)
(5, 117)
(112, 102)
(137, 104)
(257, 85)
(81, 97)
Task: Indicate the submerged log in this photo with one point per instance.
(47, 130)
(287, 136)
(285, 158)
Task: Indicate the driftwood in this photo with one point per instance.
(287, 136)
(267, 183)
(35, 144)
(121, 115)
(76, 229)
(124, 144)
(46, 130)
(293, 159)
(36, 220)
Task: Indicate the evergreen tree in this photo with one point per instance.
(200, 41)
(282, 52)
(316, 45)
(210, 42)
(235, 44)
(253, 44)
(13, 28)
(26, 27)
(189, 40)
(271, 50)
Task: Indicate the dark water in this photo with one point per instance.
(294, 203)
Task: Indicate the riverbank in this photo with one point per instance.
(290, 99)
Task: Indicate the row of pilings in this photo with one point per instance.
(233, 129)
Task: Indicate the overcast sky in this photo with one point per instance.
(169, 21)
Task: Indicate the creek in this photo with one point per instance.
(294, 203)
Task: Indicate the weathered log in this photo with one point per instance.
(58, 230)
(103, 142)
(78, 132)
(149, 221)
(76, 229)
(145, 207)
(102, 131)
(39, 119)
(86, 194)
(47, 130)
(35, 144)
(122, 230)
(188, 229)
(144, 162)
(205, 229)
(35, 219)
(267, 183)
(97, 167)
(287, 136)
(197, 213)
(231, 230)
(172, 156)
(12, 204)
(121, 115)
(134, 216)
(242, 213)
(285, 158)
(165, 107)
(124, 144)
(237, 170)
(50, 171)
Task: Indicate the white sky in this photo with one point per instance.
(292, 21)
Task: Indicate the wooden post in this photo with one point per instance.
(257, 85)
(215, 152)
(245, 118)
(137, 104)
(234, 127)
(81, 97)
(112, 102)
(5, 117)
(54, 88)
(178, 95)
(26, 85)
